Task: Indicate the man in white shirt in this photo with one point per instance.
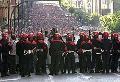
(12, 57)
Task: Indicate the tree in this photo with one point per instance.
(94, 19)
(71, 10)
(82, 16)
(68, 3)
(111, 22)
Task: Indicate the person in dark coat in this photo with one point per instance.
(29, 50)
(57, 47)
(79, 51)
(6, 47)
(106, 48)
(96, 52)
(42, 51)
(115, 52)
(70, 57)
(87, 47)
(20, 52)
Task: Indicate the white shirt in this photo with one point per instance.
(13, 51)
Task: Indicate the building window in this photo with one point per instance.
(89, 1)
(80, 3)
(104, 1)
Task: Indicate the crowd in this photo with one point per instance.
(29, 54)
(47, 16)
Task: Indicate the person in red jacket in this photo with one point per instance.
(70, 57)
(79, 51)
(57, 47)
(20, 52)
(5, 50)
(106, 48)
(96, 52)
(115, 52)
(29, 50)
(42, 51)
(86, 47)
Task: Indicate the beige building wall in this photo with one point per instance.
(4, 6)
(97, 5)
(4, 9)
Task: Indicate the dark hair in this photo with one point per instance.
(13, 37)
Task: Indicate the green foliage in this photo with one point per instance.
(71, 10)
(86, 18)
(94, 19)
(82, 16)
(111, 22)
(67, 3)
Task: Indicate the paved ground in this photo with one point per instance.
(65, 78)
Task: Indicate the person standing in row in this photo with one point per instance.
(12, 57)
(70, 56)
(29, 49)
(20, 52)
(115, 52)
(5, 50)
(96, 52)
(42, 51)
(106, 47)
(57, 47)
(86, 47)
(79, 51)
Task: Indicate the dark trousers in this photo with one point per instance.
(87, 62)
(70, 62)
(81, 62)
(63, 64)
(114, 61)
(4, 64)
(106, 61)
(56, 63)
(28, 63)
(0, 62)
(96, 62)
(12, 64)
(41, 63)
(22, 63)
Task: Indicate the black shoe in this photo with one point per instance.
(37, 73)
(29, 75)
(107, 72)
(63, 72)
(68, 72)
(50, 73)
(13, 73)
(2, 75)
(114, 71)
(97, 72)
(56, 73)
(22, 75)
(7, 75)
(91, 71)
(74, 72)
(44, 72)
(103, 72)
